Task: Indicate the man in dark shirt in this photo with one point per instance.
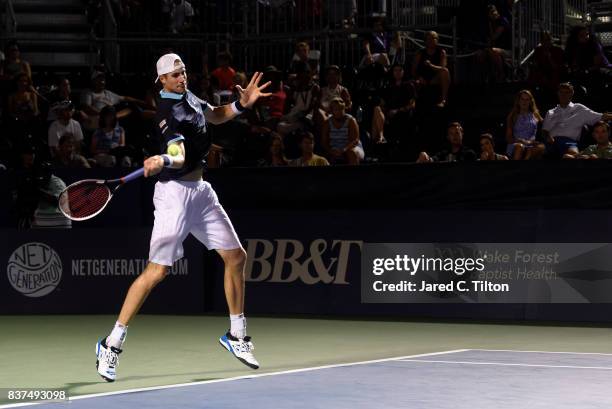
(184, 203)
(456, 153)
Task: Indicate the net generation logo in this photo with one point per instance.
(34, 269)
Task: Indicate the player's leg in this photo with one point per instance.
(233, 281)
(169, 231)
(139, 290)
(216, 231)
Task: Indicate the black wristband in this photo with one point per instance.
(239, 106)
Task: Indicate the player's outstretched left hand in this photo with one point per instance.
(250, 94)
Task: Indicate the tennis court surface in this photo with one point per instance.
(317, 366)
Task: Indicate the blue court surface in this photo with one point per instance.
(448, 379)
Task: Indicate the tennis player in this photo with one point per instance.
(184, 203)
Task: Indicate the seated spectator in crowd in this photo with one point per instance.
(376, 45)
(456, 153)
(601, 150)
(303, 54)
(340, 136)
(23, 103)
(583, 53)
(487, 148)
(224, 73)
(563, 125)
(47, 214)
(334, 89)
(64, 124)
(499, 44)
(303, 97)
(107, 140)
(522, 127)
(399, 101)
(181, 14)
(99, 97)
(13, 65)
(61, 93)
(396, 49)
(430, 66)
(67, 156)
(308, 158)
(275, 157)
(271, 109)
(548, 66)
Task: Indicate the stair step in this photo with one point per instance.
(61, 36)
(35, 46)
(45, 6)
(61, 21)
(65, 59)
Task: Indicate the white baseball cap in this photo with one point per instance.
(168, 63)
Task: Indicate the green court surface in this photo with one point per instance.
(58, 351)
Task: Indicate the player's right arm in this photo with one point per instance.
(169, 133)
(154, 164)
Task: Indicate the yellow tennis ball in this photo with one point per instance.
(174, 150)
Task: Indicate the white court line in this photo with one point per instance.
(605, 368)
(540, 352)
(236, 378)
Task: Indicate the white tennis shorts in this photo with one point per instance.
(188, 207)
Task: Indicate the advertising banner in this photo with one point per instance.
(89, 271)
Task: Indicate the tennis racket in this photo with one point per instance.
(87, 198)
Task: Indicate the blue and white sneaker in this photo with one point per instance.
(241, 348)
(107, 359)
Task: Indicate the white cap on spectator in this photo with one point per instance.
(168, 63)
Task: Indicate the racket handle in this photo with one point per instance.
(134, 175)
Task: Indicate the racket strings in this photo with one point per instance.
(85, 199)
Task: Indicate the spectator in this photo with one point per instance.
(399, 105)
(47, 214)
(548, 64)
(303, 54)
(563, 125)
(107, 139)
(456, 153)
(58, 96)
(224, 73)
(499, 45)
(308, 158)
(180, 16)
(397, 53)
(429, 66)
(271, 109)
(602, 149)
(99, 97)
(376, 45)
(13, 65)
(23, 103)
(275, 157)
(583, 52)
(487, 148)
(64, 124)
(333, 90)
(303, 98)
(66, 156)
(340, 136)
(521, 128)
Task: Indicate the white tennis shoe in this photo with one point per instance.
(107, 359)
(241, 348)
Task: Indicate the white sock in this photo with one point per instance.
(117, 335)
(238, 325)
